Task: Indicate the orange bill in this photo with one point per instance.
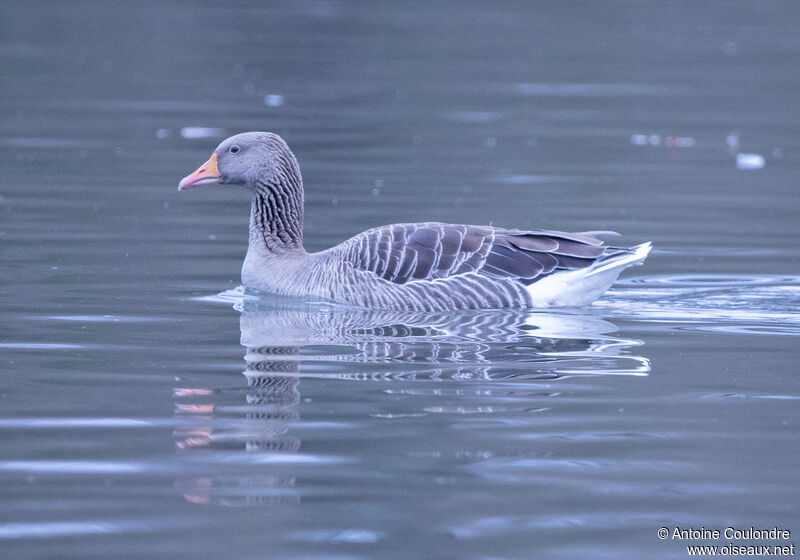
(207, 173)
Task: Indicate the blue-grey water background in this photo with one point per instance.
(150, 409)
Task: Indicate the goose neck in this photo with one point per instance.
(276, 215)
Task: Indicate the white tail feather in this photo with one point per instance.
(576, 288)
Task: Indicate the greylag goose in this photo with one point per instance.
(424, 266)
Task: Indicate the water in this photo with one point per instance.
(152, 409)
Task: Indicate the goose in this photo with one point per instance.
(427, 266)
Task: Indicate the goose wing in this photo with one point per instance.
(404, 253)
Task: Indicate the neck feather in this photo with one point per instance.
(276, 212)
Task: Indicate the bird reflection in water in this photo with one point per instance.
(287, 340)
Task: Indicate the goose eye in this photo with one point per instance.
(234, 149)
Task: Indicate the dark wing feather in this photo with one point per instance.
(514, 263)
(403, 253)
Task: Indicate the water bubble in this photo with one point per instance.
(749, 161)
(732, 141)
(273, 100)
(194, 132)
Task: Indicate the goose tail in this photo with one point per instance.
(577, 288)
(619, 259)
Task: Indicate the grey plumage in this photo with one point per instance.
(428, 251)
(416, 266)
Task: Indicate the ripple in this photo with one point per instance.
(498, 525)
(465, 409)
(497, 466)
(47, 346)
(100, 318)
(357, 536)
(756, 304)
(233, 296)
(174, 422)
(515, 470)
(540, 179)
(49, 529)
(589, 436)
(272, 459)
(50, 423)
(775, 330)
(50, 143)
(718, 252)
(473, 117)
(159, 105)
(736, 396)
(179, 465)
(73, 467)
(710, 280)
(597, 90)
(398, 415)
(57, 529)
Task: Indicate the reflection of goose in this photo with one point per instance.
(287, 340)
(478, 344)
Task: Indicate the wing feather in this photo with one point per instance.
(408, 263)
(404, 253)
(514, 263)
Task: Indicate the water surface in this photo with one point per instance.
(151, 408)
